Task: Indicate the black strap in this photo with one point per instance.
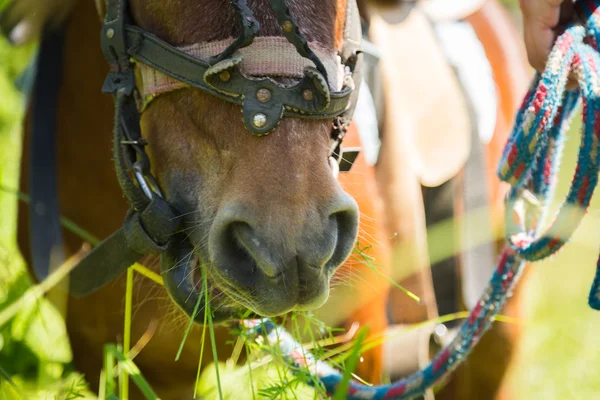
(103, 264)
(151, 222)
(45, 235)
(149, 225)
(352, 57)
(249, 27)
(143, 233)
(292, 33)
(158, 54)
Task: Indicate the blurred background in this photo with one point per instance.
(558, 356)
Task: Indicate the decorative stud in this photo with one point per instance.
(307, 94)
(225, 76)
(110, 33)
(287, 26)
(263, 95)
(259, 120)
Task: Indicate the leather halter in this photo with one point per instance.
(151, 223)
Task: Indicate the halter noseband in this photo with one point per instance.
(152, 224)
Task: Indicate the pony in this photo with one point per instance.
(298, 222)
(280, 185)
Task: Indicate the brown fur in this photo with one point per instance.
(191, 21)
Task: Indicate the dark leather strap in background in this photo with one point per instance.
(44, 212)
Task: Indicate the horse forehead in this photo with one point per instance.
(191, 21)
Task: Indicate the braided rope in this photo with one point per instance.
(530, 164)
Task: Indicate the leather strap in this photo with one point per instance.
(45, 235)
(238, 89)
(352, 57)
(249, 28)
(148, 226)
(292, 33)
(102, 264)
(142, 234)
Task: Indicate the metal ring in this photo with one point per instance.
(154, 186)
(139, 142)
(139, 176)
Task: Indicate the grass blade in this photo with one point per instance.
(342, 389)
(211, 328)
(127, 332)
(189, 326)
(133, 371)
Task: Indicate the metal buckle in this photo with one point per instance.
(140, 142)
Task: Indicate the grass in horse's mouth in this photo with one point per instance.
(195, 266)
(222, 300)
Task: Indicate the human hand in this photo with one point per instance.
(541, 21)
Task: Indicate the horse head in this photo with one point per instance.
(264, 215)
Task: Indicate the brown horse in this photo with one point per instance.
(211, 167)
(221, 178)
(405, 164)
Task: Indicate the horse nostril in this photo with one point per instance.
(345, 216)
(247, 243)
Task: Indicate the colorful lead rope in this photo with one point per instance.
(530, 164)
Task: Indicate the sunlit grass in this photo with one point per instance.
(112, 354)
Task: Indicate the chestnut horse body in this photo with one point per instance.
(388, 194)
